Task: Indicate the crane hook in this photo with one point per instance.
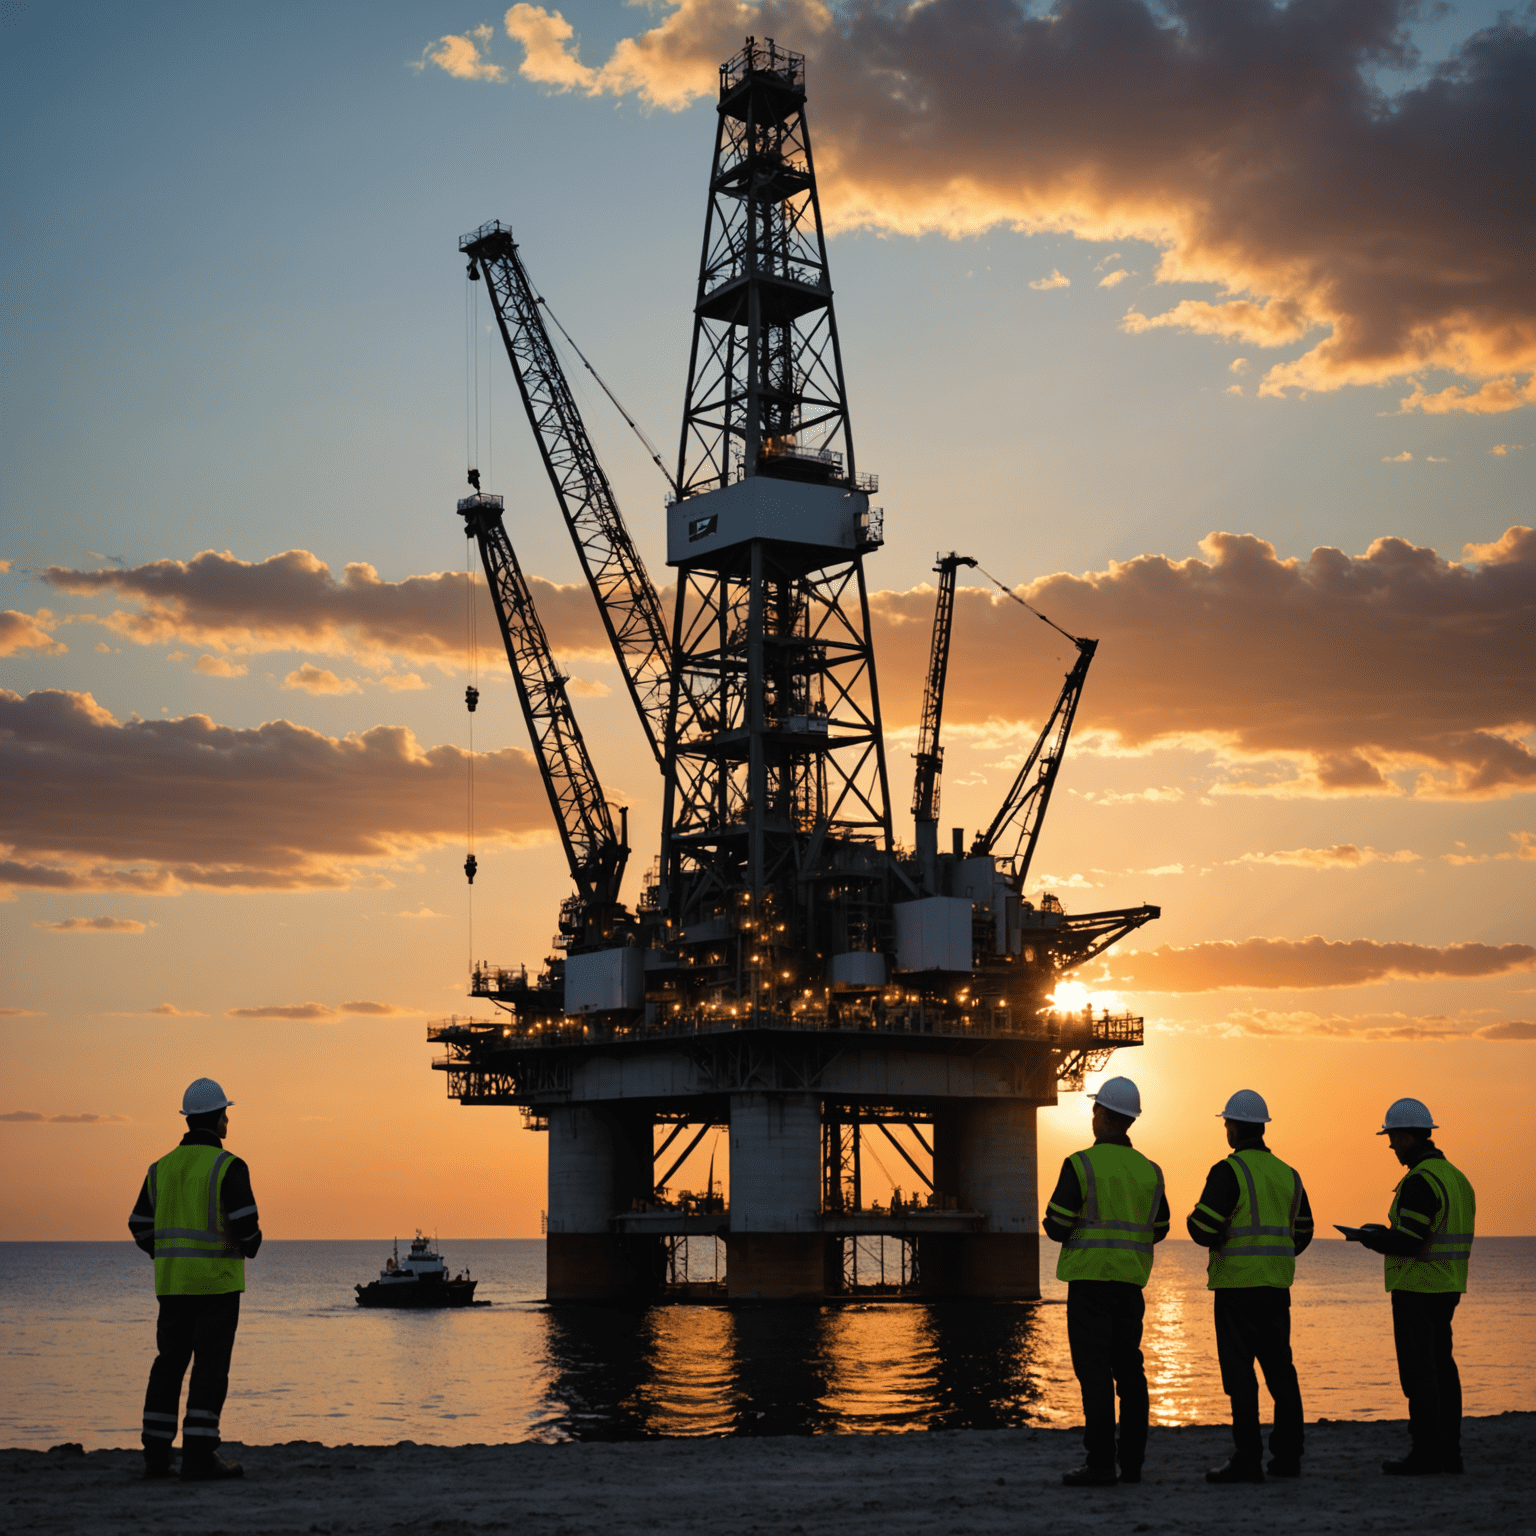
(471, 697)
(471, 864)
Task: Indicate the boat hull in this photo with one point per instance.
(423, 1293)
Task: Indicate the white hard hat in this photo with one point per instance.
(1247, 1106)
(1408, 1115)
(1121, 1095)
(204, 1096)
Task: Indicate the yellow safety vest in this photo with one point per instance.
(1260, 1243)
(194, 1253)
(1441, 1264)
(1115, 1229)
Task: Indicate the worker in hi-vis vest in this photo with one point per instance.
(1254, 1217)
(1107, 1210)
(196, 1217)
(1427, 1242)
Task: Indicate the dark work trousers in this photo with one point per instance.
(1104, 1332)
(1421, 1329)
(200, 1330)
(1253, 1322)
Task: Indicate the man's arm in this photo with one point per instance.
(1417, 1209)
(142, 1222)
(240, 1208)
(1065, 1204)
(1301, 1232)
(1164, 1219)
(1207, 1223)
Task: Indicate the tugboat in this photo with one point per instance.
(419, 1280)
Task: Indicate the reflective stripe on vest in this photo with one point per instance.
(1441, 1262)
(1115, 1229)
(193, 1260)
(1257, 1249)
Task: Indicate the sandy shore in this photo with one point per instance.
(967, 1482)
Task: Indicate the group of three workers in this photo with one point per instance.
(1109, 1210)
(197, 1218)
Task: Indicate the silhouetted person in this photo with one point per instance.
(197, 1218)
(1254, 1217)
(1107, 1211)
(1427, 1242)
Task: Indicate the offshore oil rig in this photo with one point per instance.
(789, 973)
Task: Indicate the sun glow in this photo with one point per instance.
(1073, 997)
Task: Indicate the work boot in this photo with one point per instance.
(1278, 1468)
(1235, 1471)
(1452, 1463)
(1087, 1476)
(209, 1467)
(157, 1463)
(1410, 1466)
(1130, 1474)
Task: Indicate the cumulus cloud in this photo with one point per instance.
(95, 925)
(461, 57)
(1525, 848)
(1055, 280)
(312, 679)
(219, 666)
(1251, 143)
(1340, 856)
(1384, 673)
(32, 1117)
(1301, 964)
(1113, 279)
(171, 1011)
(154, 806)
(1397, 458)
(291, 602)
(298, 1011)
(28, 632)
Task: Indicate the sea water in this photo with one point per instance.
(310, 1364)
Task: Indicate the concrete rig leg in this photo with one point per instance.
(599, 1162)
(774, 1252)
(984, 1152)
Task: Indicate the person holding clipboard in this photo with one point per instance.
(1426, 1242)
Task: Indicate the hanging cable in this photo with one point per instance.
(634, 426)
(1020, 601)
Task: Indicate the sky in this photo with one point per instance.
(1207, 329)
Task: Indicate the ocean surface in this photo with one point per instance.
(311, 1365)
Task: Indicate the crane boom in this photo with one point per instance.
(930, 754)
(595, 852)
(630, 608)
(1030, 793)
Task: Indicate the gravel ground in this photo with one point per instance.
(967, 1482)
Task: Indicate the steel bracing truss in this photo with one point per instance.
(930, 750)
(627, 601)
(781, 750)
(765, 375)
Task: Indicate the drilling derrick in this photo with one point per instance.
(776, 794)
(791, 978)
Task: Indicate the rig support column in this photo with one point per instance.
(984, 1153)
(775, 1251)
(599, 1162)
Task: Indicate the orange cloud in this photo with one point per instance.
(1391, 672)
(1303, 964)
(32, 1117)
(291, 602)
(28, 632)
(296, 1011)
(461, 58)
(96, 925)
(1249, 142)
(1375, 1026)
(155, 806)
(312, 679)
(1340, 856)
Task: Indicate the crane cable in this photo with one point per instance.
(634, 426)
(1020, 601)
